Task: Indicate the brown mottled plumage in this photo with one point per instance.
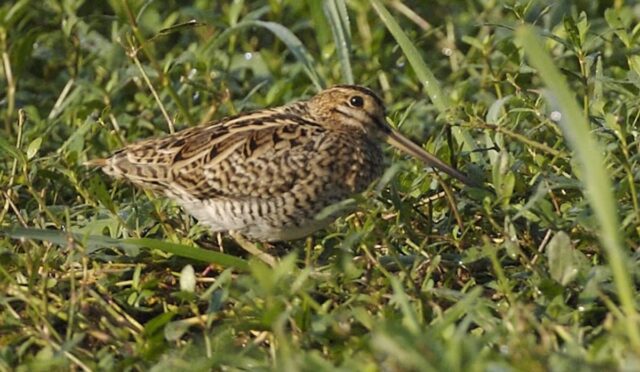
(267, 174)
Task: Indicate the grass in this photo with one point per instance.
(538, 99)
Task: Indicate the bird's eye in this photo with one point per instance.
(356, 101)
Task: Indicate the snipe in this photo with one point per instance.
(267, 174)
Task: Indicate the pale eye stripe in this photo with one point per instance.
(370, 118)
(346, 114)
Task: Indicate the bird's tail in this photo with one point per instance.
(96, 163)
(146, 175)
(107, 165)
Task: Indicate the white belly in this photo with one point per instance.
(254, 220)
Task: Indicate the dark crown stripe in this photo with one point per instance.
(363, 90)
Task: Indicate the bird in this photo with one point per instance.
(268, 174)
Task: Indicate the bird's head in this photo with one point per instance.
(350, 107)
(356, 108)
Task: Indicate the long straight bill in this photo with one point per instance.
(399, 141)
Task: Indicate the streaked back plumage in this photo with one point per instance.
(266, 174)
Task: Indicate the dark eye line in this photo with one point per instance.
(376, 120)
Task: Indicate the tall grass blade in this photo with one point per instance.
(424, 74)
(338, 18)
(94, 243)
(595, 178)
(288, 38)
(431, 84)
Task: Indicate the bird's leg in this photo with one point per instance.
(253, 249)
(219, 238)
(209, 245)
(308, 250)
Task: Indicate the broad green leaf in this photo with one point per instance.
(563, 265)
(613, 19)
(33, 147)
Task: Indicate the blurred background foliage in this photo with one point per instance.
(515, 280)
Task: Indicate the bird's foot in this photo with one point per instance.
(253, 249)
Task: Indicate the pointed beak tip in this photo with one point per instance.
(402, 143)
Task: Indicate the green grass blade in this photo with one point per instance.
(338, 18)
(410, 318)
(288, 38)
(424, 74)
(93, 243)
(431, 84)
(595, 178)
(192, 252)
